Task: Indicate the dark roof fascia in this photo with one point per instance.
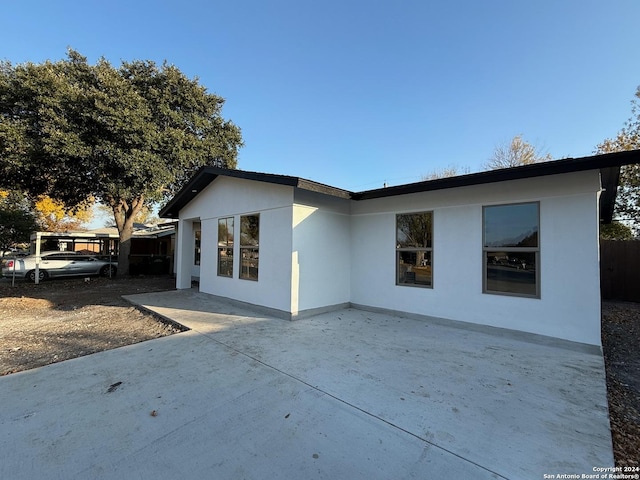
(206, 175)
(554, 167)
(198, 182)
(296, 182)
(608, 164)
(609, 178)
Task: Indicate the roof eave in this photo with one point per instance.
(605, 163)
(554, 167)
(206, 175)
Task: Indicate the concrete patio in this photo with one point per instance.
(350, 394)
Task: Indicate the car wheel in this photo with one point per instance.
(31, 275)
(108, 271)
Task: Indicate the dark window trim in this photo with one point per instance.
(535, 250)
(197, 247)
(249, 247)
(225, 247)
(412, 249)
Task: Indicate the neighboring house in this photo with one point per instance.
(515, 248)
(152, 247)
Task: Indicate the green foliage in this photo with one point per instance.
(72, 130)
(17, 220)
(125, 137)
(514, 154)
(615, 231)
(628, 196)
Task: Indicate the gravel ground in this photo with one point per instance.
(63, 319)
(620, 341)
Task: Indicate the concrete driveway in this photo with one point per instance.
(345, 395)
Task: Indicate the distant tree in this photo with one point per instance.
(615, 231)
(17, 220)
(450, 171)
(515, 153)
(127, 136)
(54, 217)
(628, 195)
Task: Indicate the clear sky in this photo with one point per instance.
(355, 93)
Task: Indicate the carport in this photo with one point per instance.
(151, 248)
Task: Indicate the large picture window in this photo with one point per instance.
(249, 246)
(414, 249)
(511, 249)
(225, 247)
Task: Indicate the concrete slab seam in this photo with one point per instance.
(344, 402)
(91, 469)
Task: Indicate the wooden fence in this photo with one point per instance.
(620, 270)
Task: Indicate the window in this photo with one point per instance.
(511, 249)
(225, 247)
(249, 246)
(414, 249)
(196, 255)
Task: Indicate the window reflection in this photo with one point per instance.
(249, 246)
(414, 249)
(511, 272)
(225, 247)
(511, 249)
(414, 230)
(511, 225)
(414, 268)
(225, 262)
(196, 254)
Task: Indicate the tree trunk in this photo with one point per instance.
(124, 215)
(124, 250)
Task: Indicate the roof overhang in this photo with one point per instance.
(207, 175)
(607, 164)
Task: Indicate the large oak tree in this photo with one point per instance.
(17, 220)
(126, 137)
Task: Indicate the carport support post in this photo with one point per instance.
(38, 237)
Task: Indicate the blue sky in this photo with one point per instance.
(356, 93)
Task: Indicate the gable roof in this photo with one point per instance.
(609, 165)
(206, 175)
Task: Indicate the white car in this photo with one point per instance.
(58, 264)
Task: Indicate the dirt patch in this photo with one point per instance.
(63, 319)
(60, 320)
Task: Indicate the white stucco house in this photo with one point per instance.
(516, 248)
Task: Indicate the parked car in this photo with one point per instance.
(59, 264)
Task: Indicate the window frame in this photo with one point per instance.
(534, 250)
(228, 245)
(255, 249)
(197, 247)
(399, 249)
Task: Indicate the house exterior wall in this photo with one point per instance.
(184, 253)
(321, 252)
(231, 197)
(569, 303)
(317, 252)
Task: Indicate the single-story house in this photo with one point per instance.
(516, 248)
